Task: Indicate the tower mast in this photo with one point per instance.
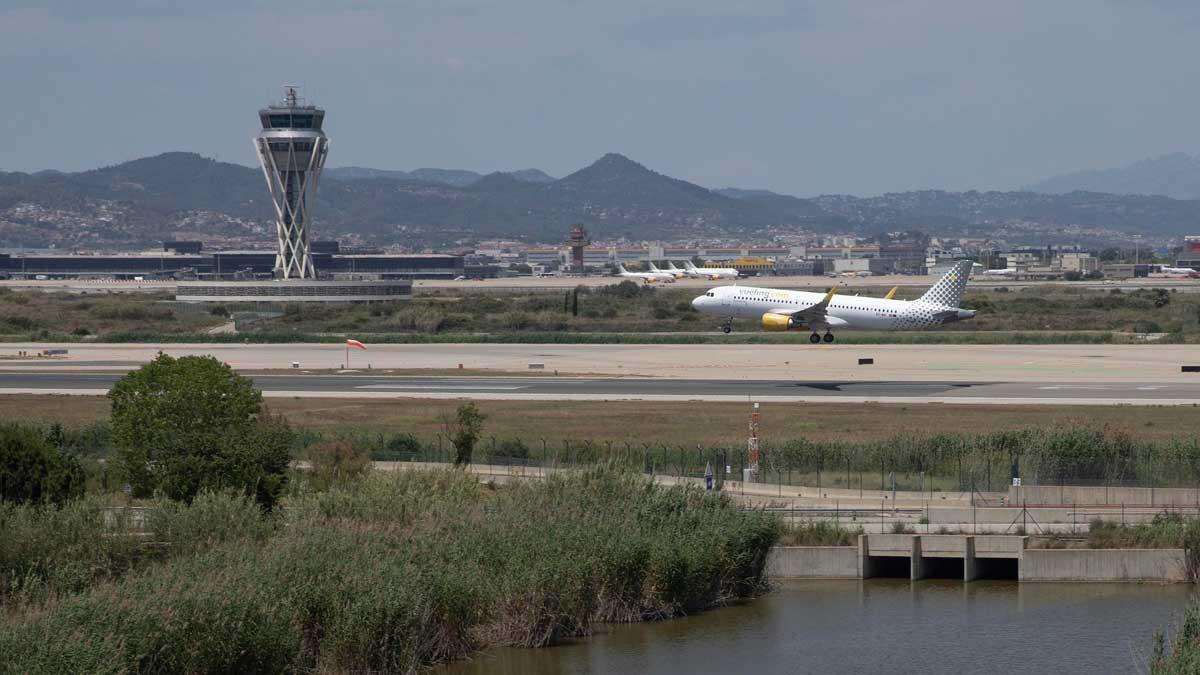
(291, 149)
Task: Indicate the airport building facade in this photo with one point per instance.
(226, 265)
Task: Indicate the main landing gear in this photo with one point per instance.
(816, 339)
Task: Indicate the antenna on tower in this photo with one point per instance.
(290, 95)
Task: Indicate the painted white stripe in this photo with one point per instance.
(426, 387)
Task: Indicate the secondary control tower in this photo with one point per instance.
(291, 148)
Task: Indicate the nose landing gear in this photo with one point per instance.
(728, 325)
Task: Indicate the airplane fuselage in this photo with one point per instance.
(853, 312)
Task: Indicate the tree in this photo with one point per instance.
(464, 430)
(185, 425)
(33, 470)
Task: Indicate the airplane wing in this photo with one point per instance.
(813, 315)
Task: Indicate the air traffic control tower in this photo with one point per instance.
(291, 148)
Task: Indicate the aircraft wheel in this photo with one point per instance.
(814, 338)
(727, 328)
(828, 337)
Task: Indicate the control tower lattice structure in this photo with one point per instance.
(291, 148)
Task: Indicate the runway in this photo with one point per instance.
(658, 389)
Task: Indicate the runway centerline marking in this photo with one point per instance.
(456, 387)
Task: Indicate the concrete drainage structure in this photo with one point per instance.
(973, 557)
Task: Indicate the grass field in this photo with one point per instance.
(616, 313)
(674, 423)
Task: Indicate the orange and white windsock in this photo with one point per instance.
(355, 343)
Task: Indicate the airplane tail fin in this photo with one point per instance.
(621, 269)
(687, 265)
(949, 289)
(892, 293)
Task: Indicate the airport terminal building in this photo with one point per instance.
(330, 264)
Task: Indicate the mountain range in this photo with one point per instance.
(1175, 175)
(455, 177)
(183, 195)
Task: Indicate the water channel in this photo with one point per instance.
(879, 626)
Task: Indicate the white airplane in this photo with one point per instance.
(1002, 272)
(713, 273)
(648, 277)
(675, 274)
(1180, 272)
(781, 310)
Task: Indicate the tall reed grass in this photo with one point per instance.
(399, 571)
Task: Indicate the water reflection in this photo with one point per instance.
(879, 625)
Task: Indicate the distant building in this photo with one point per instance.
(230, 265)
(1190, 256)
(183, 247)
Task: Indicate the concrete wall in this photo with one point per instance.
(1063, 565)
(1162, 565)
(813, 562)
(1050, 495)
(998, 546)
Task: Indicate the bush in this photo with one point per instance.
(626, 290)
(32, 470)
(191, 424)
(401, 447)
(514, 448)
(54, 550)
(464, 430)
(337, 461)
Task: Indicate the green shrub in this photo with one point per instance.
(32, 470)
(186, 425)
(513, 448)
(399, 447)
(336, 462)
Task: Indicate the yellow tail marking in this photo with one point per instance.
(829, 295)
(891, 293)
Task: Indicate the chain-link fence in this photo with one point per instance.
(944, 463)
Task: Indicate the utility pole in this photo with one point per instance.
(752, 446)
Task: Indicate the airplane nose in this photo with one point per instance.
(698, 302)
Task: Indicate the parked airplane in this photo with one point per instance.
(648, 277)
(1002, 272)
(713, 273)
(1180, 272)
(781, 310)
(674, 274)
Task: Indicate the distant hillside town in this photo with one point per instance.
(911, 253)
(182, 196)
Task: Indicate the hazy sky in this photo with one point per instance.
(857, 96)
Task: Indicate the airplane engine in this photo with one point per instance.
(779, 322)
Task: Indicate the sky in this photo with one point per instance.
(805, 98)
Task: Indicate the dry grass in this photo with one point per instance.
(676, 423)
